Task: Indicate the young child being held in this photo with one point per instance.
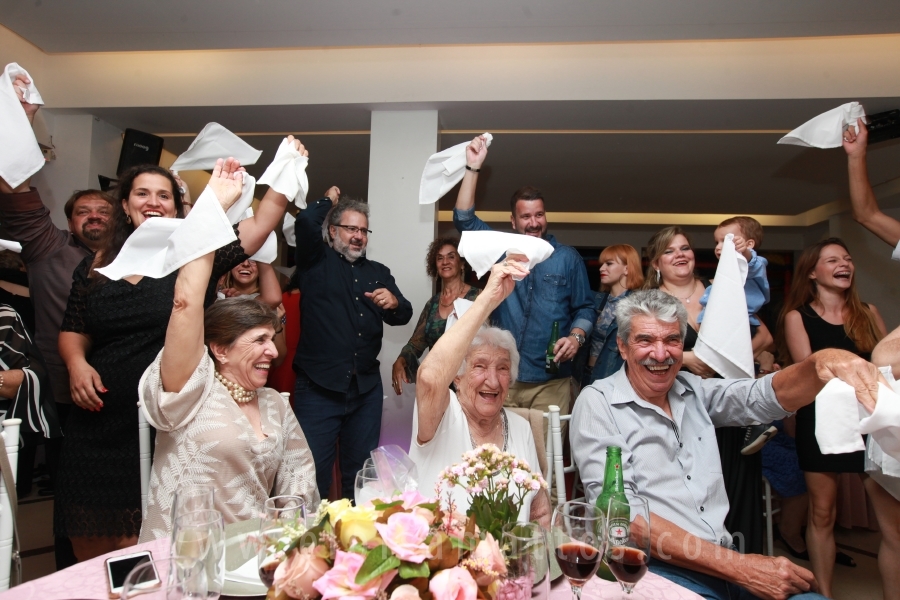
(748, 235)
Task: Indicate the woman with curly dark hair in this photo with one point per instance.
(111, 332)
(442, 263)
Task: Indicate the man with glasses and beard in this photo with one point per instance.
(557, 289)
(345, 299)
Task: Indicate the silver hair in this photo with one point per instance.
(650, 303)
(494, 337)
(337, 211)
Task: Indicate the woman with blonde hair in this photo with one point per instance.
(620, 274)
(823, 310)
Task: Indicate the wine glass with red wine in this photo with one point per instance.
(579, 535)
(628, 539)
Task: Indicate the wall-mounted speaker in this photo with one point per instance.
(139, 148)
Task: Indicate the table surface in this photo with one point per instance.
(87, 581)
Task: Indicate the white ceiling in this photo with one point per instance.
(117, 25)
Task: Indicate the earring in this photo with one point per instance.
(658, 276)
(128, 218)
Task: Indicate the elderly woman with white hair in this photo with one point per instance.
(481, 362)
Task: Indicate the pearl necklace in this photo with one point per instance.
(237, 391)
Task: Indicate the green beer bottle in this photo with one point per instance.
(551, 366)
(613, 488)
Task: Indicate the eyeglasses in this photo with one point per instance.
(354, 229)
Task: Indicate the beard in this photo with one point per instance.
(92, 234)
(350, 253)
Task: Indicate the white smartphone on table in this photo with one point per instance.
(118, 568)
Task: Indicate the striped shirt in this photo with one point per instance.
(673, 462)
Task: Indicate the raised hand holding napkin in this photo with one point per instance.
(827, 129)
(212, 143)
(287, 173)
(723, 342)
(444, 170)
(482, 249)
(20, 155)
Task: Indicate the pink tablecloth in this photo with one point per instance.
(650, 587)
(85, 580)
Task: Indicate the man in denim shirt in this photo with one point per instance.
(556, 290)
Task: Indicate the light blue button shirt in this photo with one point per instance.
(673, 462)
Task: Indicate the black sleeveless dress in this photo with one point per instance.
(823, 334)
(99, 488)
(743, 481)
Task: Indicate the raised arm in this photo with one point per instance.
(798, 384)
(269, 287)
(184, 336)
(308, 230)
(862, 197)
(476, 152)
(439, 368)
(268, 215)
(30, 111)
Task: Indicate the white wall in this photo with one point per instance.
(401, 142)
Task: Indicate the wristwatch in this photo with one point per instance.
(578, 338)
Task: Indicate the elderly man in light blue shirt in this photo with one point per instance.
(664, 420)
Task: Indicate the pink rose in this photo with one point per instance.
(405, 534)
(412, 498)
(296, 574)
(490, 561)
(405, 592)
(425, 514)
(453, 584)
(339, 581)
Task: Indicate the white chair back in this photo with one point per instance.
(144, 453)
(769, 511)
(555, 464)
(10, 437)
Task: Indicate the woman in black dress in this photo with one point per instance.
(671, 270)
(111, 332)
(823, 310)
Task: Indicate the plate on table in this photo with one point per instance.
(239, 551)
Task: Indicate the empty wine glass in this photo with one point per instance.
(201, 535)
(281, 516)
(628, 539)
(367, 487)
(578, 537)
(176, 578)
(527, 562)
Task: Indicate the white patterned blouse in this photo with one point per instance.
(203, 437)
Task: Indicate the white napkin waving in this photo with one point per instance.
(160, 246)
(460, 306)
(444, 170)
(242, 209)
(8, 245)
(484, 248)
(837, 419)
(20, 155)
(212, 143)
(290, 233)
(827, 130)
(287, 174)
(723, 342)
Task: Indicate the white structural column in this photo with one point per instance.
(401, 142)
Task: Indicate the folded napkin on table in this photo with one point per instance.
(287, 174)
(212, 143)
(20, 155)
(444, 170)
(827, 130)
(246, 573)
(723, 342)
(482, 249)
(160, 246)
(8, 245)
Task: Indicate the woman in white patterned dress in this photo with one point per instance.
(216, 423)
